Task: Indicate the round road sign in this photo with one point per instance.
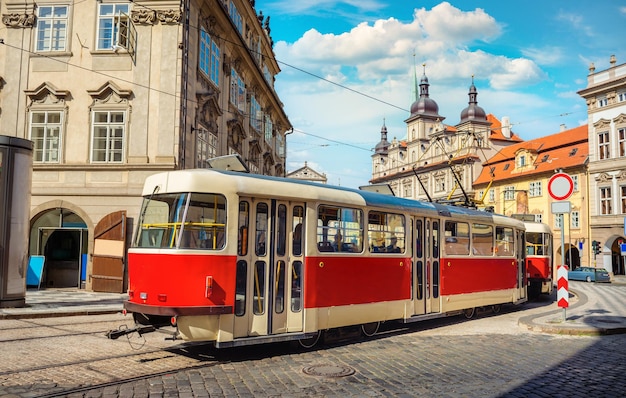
(560, 186)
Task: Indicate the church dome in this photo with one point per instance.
(424, 105)
(473, 111)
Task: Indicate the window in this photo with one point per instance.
(621, 142)
(575, 219)
(256, 117)
(51, 28)
(535, 189)
(107, 136)
(440, 184)
(182, 220)
(206, 147)
(456, 238)
(113, 26)
(505, 241)
(521, 161)
(558, 221)
(269, 128)
(509, 193)
(235, 16)
(385, 232)
(538, 217)
(602, 102)
(575, 181)
(603, 145)
(605, 201)
(209, 58)
(621, 97)
(492, 195)
(623, 198)
(237, 91)
(45, 132)
(482, 240)
(339, 229)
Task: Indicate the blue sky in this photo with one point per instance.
(348, 66)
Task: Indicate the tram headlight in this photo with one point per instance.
(143, 296)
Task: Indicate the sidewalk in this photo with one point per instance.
(584, 316)
(47, 303)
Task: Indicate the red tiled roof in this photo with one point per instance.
(563, 150)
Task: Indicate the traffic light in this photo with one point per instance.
(596, 247)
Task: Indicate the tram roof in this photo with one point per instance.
(202, 180)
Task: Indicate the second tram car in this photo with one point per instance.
(539, 259)
(239, 259)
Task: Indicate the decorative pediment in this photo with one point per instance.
(620, 119)
(47, 93)
(603, 177)
(602, 124)
(110, 93)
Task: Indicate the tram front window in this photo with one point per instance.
(182, 221)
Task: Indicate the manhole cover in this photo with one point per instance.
(329, 370)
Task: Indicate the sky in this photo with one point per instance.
(349, 66)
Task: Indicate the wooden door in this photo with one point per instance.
(109, 254)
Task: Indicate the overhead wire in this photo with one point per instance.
(244, 114)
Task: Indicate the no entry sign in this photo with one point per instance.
(560, 186)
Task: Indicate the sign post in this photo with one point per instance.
(560, 187)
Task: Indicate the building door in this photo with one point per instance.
(109, 254)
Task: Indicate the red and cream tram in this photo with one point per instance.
(539, 258)
(239, 259)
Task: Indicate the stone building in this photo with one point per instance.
(111, 92)
(605, 96)
(515, 181)
(308, 174)
(435, 161)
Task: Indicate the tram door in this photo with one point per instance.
(265, 272)
(426, 261)
(521, 265)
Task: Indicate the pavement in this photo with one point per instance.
(586, 315)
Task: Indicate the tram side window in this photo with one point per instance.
(386, 232)
(505, 241)
(261, 229)
(457, 240)
(182, 220)
(240, 287)
(482, 240)
(339, 229)
(244, 228)
(296, 286)
(281, 230)
(297, 222)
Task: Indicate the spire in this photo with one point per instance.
(383, 145)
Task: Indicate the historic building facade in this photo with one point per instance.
(110, 92)
(438, 162)
(515, 182)
(605, 96)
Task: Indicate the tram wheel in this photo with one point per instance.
(370, 329)
(496, 308)
(310, 342)
(469, 312)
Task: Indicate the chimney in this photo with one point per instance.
(613, 61)
(563, 127)
(506, 127)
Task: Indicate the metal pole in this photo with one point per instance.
(563, 256)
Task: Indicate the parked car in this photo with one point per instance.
(589, 274)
